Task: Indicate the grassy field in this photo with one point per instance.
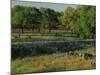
(51, 57)
(53, 62)
(43, 36)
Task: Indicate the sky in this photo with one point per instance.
(57, 7)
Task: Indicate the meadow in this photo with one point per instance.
(52, 55)
(47, 36)
(54, 62)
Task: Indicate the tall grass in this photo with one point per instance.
(53, 62)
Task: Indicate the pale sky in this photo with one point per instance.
(56, 7)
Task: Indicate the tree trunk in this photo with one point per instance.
(22, 30)
(39, 29)
(50, 29)
(33, 28)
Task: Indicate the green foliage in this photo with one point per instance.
(69, 18)
(33, 18)
(86, 23)
(79, 20)
(50, 18)
(17, 17)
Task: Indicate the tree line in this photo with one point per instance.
(81, 20)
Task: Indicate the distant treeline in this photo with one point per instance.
(81, 20)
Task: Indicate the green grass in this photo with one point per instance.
(52, 62)
(43, 36)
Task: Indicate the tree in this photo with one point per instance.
(27, 20)
(44, 23)
(26, 17)
(50, 18)
(17, 17)
(81, 20)
(38, 19)
(69, 18)
(85, 25)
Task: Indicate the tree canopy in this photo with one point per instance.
(81, 20)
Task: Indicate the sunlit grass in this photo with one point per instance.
(52, 62)
(43, 36)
